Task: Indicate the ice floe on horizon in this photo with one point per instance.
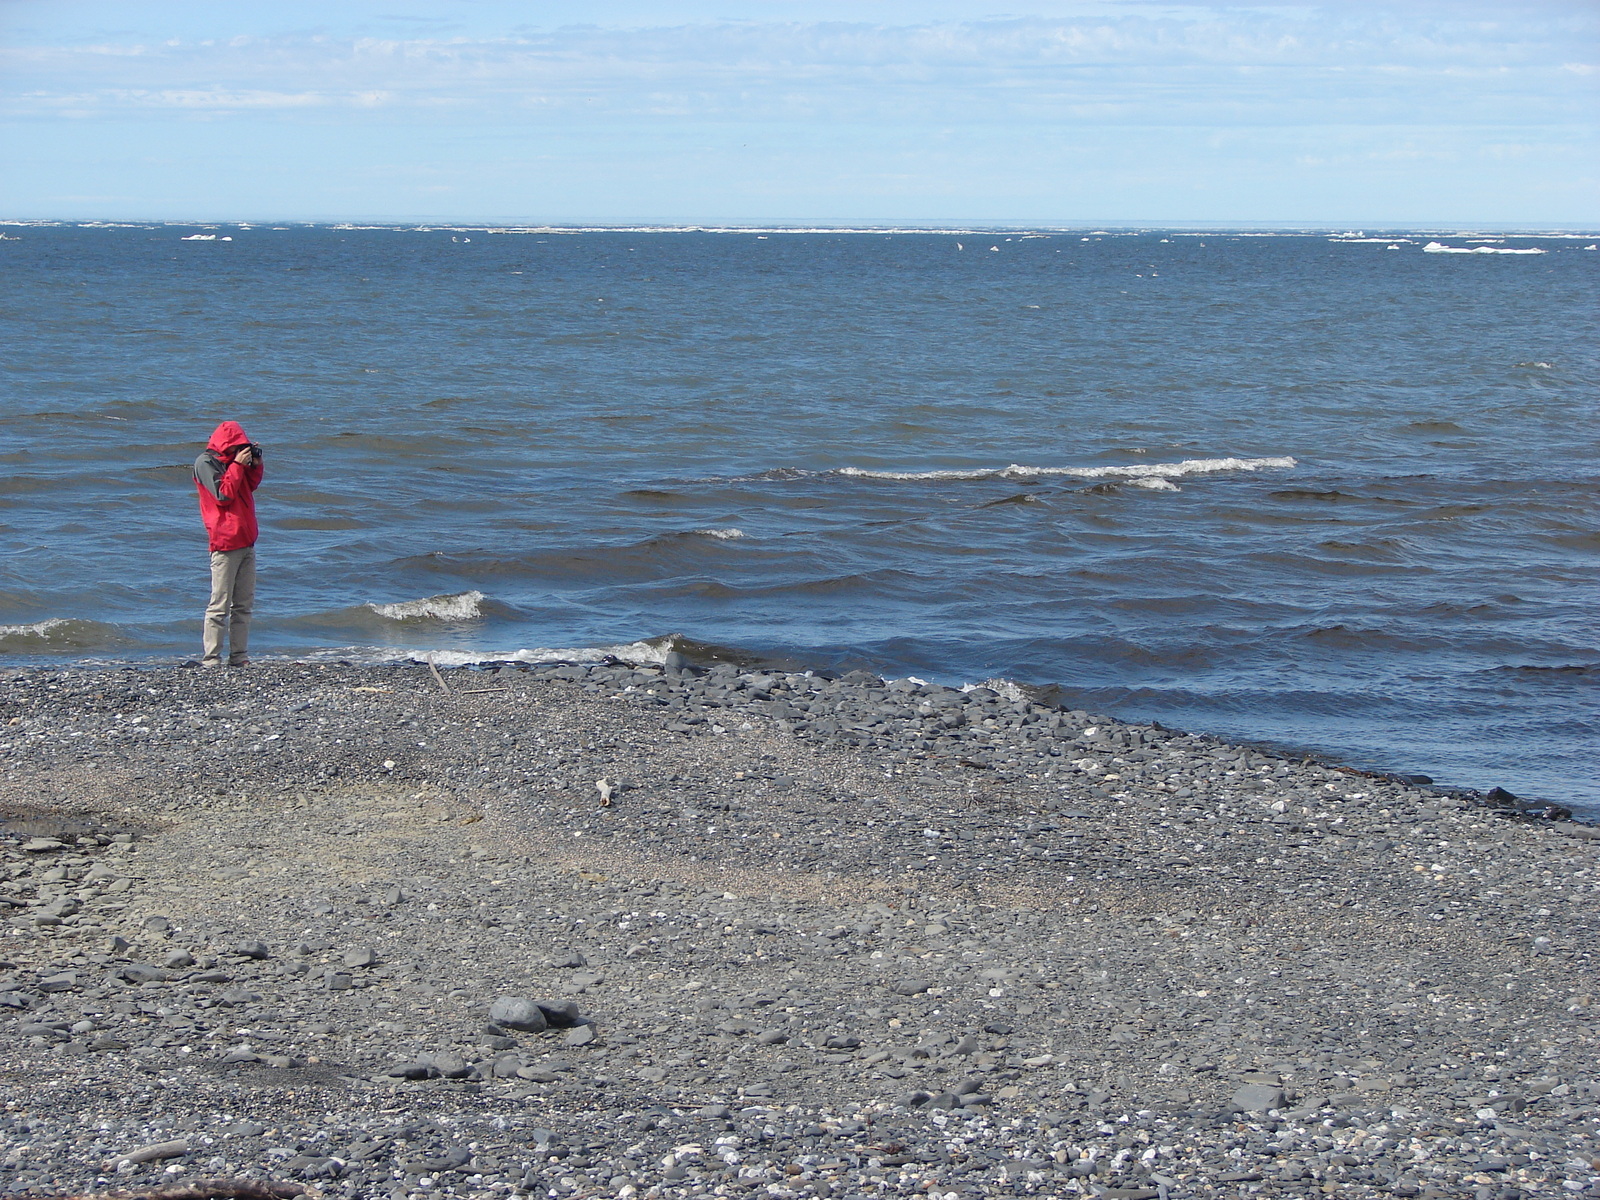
(1441, 248)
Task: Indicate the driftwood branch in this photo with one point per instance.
(438, 678)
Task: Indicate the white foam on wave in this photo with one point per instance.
(1160, 472)
(721, 535)
(1003, 687)
(39, 629)
(1441, 248)
(61, 633)
(458, 606)
(980, 473)
(632, 652)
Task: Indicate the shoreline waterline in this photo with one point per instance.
(1298, 489)
(681, 662)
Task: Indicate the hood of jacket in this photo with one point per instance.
(228, 435)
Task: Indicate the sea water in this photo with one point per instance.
(1328, 492)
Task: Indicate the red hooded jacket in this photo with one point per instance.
(227, 490)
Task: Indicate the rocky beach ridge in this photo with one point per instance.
(662, 932)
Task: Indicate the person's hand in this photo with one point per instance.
(245, 457)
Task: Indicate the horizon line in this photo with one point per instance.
(798, 227)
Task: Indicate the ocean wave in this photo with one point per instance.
(1002, 687)
(1332, 495)
(456, 606)
(1161, 472)
(1441, 248)
(660, 650)
(650, 651)
(61, 634)
(721, 535)
(1559, 671)
(632, 652)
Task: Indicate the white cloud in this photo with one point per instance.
(1202, 68)
(905, 109)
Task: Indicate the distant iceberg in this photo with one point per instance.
(1441, 248)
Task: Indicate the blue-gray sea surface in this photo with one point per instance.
(1329, 493)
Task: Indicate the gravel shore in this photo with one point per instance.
(604, 930)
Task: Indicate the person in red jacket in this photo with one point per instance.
(226, 476)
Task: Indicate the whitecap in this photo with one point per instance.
(862, 473)
(632, 652)
(40, 630)
(1002, 687)
(1156, 484)
(458, 606)
(61, 633)
(722, 535)
(199, 237)
(1159, 471)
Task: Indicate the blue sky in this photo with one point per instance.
(757, 111)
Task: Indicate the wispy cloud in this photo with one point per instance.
(863, 109)
(1202, 69)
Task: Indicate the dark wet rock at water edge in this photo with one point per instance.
(824, 937)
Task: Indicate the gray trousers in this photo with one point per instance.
(233, 600)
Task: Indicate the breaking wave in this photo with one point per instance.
(632, 652)
(662, 650)
(458, 606)
(61, 635)
(1159, 472)
(1005, 688)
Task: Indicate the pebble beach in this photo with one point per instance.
(661, 932)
